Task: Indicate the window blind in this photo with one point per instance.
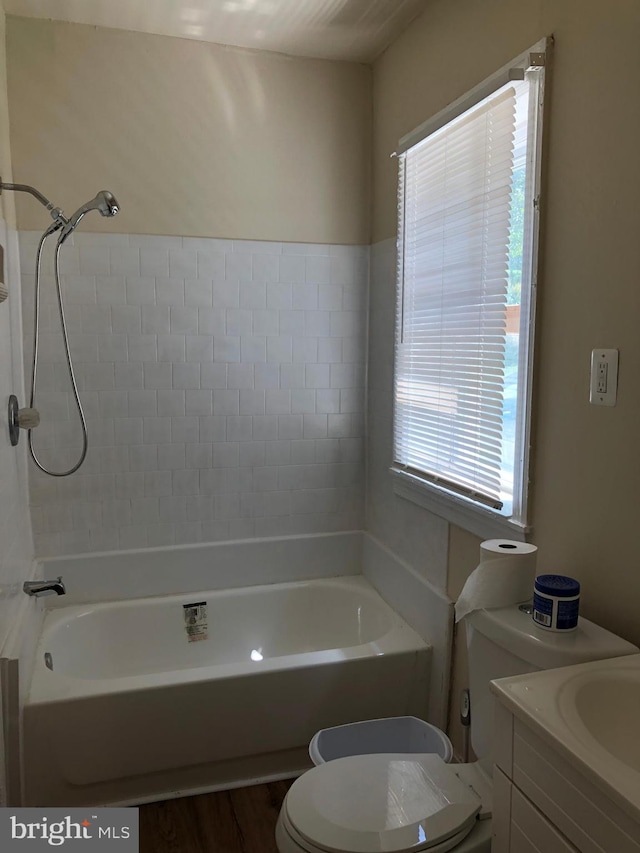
(455, 191)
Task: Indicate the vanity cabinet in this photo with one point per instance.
(543, 804)
(522, 828)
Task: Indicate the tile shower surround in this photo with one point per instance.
(223, 385)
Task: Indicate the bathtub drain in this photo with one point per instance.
(48, 660)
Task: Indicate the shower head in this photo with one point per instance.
(104, 202)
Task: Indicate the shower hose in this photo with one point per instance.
(65, 338)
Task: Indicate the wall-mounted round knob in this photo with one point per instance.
(20, 419)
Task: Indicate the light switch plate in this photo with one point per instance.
(604, 377)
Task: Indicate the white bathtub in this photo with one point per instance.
(132, 710)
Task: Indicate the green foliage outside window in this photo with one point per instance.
(516, 238)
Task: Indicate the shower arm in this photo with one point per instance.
(56, 213)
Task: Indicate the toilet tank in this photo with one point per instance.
(506, 641)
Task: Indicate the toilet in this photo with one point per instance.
(405, 803)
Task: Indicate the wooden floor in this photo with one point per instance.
(238, 821)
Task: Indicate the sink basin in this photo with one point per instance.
(590, 713)
(607, 704)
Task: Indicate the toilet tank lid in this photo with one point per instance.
(515, 631)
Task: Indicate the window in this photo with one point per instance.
(467, 237)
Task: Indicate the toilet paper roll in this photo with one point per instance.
(505, 575)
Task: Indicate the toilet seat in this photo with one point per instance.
(397, 803)
(290, 841)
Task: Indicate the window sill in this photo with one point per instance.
(475, 519)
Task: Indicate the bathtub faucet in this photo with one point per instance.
(44, 587)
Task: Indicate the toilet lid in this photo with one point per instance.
(389, 802)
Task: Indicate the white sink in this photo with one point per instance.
(605, 704)
(591, 714)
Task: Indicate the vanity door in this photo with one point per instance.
(519, 827)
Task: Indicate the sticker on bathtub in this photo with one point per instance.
(195, 621)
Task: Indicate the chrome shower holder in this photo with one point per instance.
(56, 213)
(20, 419)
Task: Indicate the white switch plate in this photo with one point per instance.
(604, 377)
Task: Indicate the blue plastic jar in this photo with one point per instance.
(556, 602)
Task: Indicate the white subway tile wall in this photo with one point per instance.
(223, 385)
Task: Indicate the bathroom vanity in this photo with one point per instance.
(567, 760)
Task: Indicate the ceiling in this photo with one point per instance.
(355, 30)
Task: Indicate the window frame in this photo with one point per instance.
(473, 516)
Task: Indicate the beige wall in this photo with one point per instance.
(7, 204)
(586, 469)
(192, 138)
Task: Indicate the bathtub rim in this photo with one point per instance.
(102, 576)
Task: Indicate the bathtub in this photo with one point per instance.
(157, 697)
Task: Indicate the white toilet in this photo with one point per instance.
(400, 803)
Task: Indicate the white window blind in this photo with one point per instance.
(456, 242)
